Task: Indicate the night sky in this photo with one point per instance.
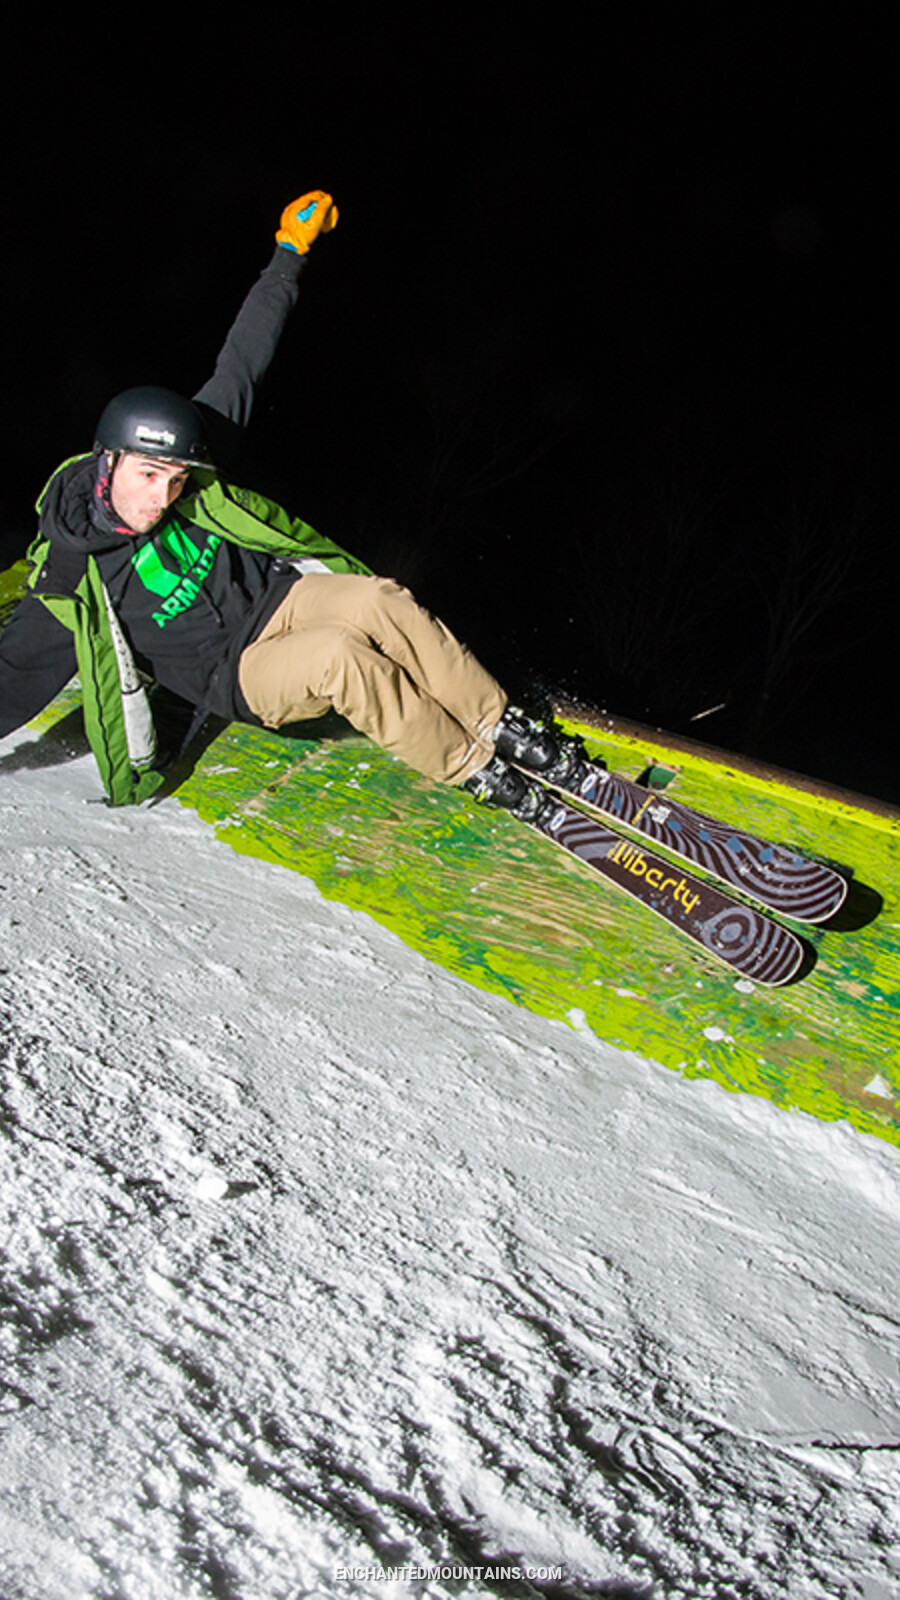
(601, 359)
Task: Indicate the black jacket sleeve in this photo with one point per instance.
(226, 400)
(37, 659)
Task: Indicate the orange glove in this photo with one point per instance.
(304, 219)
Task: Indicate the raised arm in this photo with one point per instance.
(226, 400)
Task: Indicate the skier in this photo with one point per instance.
(151, 565)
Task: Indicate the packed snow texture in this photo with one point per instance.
(318, 1262)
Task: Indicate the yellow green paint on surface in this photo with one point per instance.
(503, 908)
(12, 587)
(478, 893)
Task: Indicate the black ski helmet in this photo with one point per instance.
(153, 422)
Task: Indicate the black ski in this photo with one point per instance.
(739, 935)
(777, 877)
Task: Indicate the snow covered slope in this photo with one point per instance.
(317, 1260)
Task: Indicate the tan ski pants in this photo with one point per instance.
(365, 648)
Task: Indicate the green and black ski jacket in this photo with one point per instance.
(113, 684)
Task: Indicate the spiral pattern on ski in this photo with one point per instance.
(742, 937)
(745, 938)
(777, 877)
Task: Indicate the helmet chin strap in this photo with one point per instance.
(104, 490)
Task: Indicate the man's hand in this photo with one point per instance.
(304, 219)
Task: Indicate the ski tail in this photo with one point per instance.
(781, 879)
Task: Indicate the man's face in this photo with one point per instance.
(143, 488)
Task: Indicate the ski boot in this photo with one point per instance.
(540, 749)
(503, 786)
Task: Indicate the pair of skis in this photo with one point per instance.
(741, 935)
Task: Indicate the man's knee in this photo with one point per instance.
(384, 597)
